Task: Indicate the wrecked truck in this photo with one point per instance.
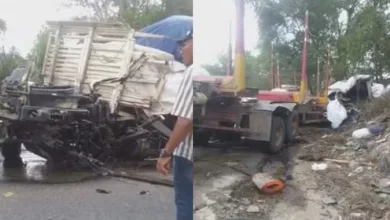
(103, 98)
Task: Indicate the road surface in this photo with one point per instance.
(222, 193)
(128, 200)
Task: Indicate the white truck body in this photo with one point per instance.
(104, 58)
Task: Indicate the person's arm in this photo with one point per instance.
(183, 109)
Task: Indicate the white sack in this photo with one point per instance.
(362, 133)
(335, 113)
(377, 90)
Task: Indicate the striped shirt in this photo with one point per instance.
(183, 108)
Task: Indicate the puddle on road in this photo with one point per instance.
(35, 170)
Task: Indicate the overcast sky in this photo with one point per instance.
(211, 24)
(211, 28)
(25, 18)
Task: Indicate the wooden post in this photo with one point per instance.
(84, 60)
(49, 41)
(55, 52)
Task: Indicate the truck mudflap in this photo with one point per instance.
(261, 118)
(260, 123)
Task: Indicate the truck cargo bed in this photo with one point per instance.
(103, 58)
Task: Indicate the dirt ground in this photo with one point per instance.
(350, 187)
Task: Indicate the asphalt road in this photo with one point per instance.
(80, 201)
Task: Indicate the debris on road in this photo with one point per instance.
(103, 191)
(358, 216)
(362, 133)
(144, 193)
(267, 184)
(384, 183)
(8, 194)
(329, 201)
(368, 132)
(144, 178)
(253, 209)
(319, 166)
(355, 168)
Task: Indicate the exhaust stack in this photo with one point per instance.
(239, 61)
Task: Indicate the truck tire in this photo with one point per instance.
(202, 137)
(11, 150)
(278, 134)
(292, 126)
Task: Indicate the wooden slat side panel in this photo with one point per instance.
(106, 60)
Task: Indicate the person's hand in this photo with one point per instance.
(163, 165)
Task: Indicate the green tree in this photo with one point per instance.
(357, 32)
(137, 13)
(37, 53)
(9, 60)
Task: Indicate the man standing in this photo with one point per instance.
(180, 145)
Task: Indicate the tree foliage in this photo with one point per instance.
(37, 53)
(137, 13)
(9, 60)
(357, 32)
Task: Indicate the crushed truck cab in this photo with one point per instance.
(102, 99)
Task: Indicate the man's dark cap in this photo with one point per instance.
(187, 37)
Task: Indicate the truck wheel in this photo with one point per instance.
(292, 126)
(202, 137)
(11, 150)
(278, 134)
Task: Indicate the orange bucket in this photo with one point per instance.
(267, 184)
